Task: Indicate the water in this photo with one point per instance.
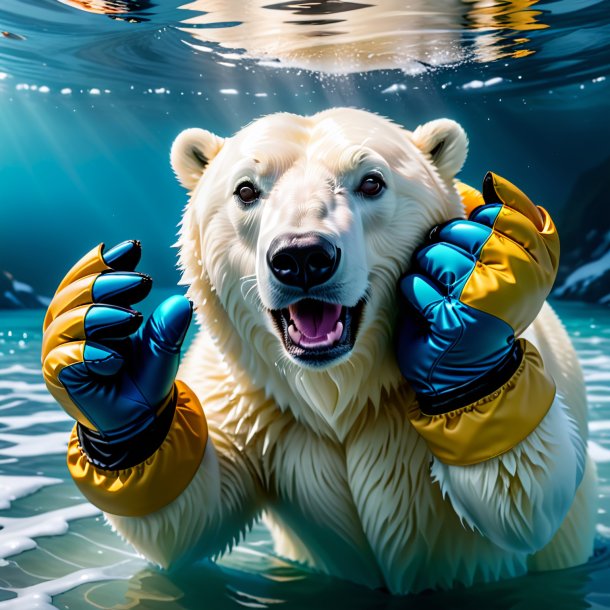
(55, 548)
(92, 93)
(171, 45)
(89, 104)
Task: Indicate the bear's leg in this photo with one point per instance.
(210, 515)
(522, 498)
(573, 543)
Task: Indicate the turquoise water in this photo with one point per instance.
(92, 94)
(58, 551)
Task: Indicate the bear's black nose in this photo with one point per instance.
(304, 260)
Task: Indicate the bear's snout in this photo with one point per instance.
(303, 260)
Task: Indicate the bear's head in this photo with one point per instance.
(296, 233)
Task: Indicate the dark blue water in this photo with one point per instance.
(92, 93)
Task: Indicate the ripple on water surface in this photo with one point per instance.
(203, 47)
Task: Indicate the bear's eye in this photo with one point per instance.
(371, 185)
(247, 193)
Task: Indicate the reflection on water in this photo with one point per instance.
(208, 46)
(12, 35)
(117, 9)
(344, 37)
(284, 586)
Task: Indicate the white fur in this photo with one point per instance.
(519, 499)
(217, 506)
(345, 482)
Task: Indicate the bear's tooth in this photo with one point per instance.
(295, 334)
(335, 334)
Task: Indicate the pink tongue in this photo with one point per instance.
(314, 318)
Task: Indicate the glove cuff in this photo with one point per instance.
(130, 447)
(494, 424)
(158, 480)
(475, 390)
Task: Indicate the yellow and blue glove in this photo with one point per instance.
(111, 373)
(475, 286)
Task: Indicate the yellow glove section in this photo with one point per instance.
(151, 485)
(524, 245)
(75, 289)
(63, 341)
(495, 424)
(471, 198)
(57, 360)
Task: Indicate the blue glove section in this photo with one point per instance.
(128, 368)
(124, 256)
(122, 387)
(113, 288)
(445, 347)
(108, 321)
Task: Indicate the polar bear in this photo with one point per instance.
(307, 419)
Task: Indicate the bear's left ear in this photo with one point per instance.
(191, 153)
(446, 143)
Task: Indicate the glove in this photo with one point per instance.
(477, 285)
(111, 373)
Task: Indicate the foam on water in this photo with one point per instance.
(39, 597)
(31, 446)
(598, 398)
(599, 361)
(20, 386)
(598, 453)
(11, 404)
(17, 535)
(12, 488)
(599, 426)
(599, 376)
(28, 397)
(19, 369)
(18, 389)
(18, 422)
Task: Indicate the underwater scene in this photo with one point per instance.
(92, 95)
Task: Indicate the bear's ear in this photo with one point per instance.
(191, 153)
(446, 143)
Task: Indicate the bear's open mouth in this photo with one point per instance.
(318, 332)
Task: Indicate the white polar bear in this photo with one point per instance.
(325, 451)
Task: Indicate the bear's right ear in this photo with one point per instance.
(191, 153)
(446, 144)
